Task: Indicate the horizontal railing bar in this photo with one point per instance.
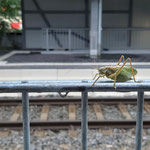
(104, 28)
(72, 86)
(122, 28)
(65, 28)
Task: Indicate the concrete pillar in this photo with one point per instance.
(95, 28)
(100, 28)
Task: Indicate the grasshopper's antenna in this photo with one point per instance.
(96, 65)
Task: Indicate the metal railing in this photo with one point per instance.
(65, 38)
(112, 38)
(126, 38)
(76, 86)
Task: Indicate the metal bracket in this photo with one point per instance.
(63, 95)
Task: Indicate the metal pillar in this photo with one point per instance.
(95, 28)
(69, 39)
(26, 120)
(47, 39)
(23, 25)
(139, 121)
(130, 20)
(84, 122)
(100, 28)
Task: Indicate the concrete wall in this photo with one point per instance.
(56, 20)
(115, 19)
(141, 13)
(125, 39)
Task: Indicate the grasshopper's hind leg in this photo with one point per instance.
(121, 58)
(129, 59)
(119, 70)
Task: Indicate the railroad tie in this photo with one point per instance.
(147, 107)
(18, 148)
(72, 117)
(98, 111)
(44, 114)
(64, 146)
(4, 134)
(124, 111)
(16, 114)
(14, 117)
(99, 114)
(43, 117)
(106, 131)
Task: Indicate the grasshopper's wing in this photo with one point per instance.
(126, 74)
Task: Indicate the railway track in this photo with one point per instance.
(73, 124)
(63, 101)
(72, 121)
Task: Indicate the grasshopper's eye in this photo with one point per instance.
(102, 71)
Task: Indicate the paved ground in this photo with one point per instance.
(57, 58)
(3, 52)
(25, 66)
(35, 66)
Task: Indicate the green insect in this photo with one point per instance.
(117, 73)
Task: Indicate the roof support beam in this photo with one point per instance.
(46, 21)
(75, 11)
(23, 25)
(130, 18)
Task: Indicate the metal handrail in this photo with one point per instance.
(83, 86)
(125, 38)
(69, 38)
(72, 86)
(123, 28)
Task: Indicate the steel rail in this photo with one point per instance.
(67, 101)
(74, 124)
(84, 87)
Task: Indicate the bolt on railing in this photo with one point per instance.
(76, 86)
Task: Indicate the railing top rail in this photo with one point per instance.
(123, 28)
(71, 86)
(66, 28)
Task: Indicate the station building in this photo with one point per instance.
(93, 26)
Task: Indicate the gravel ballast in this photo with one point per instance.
(61, 140)
(60, 112)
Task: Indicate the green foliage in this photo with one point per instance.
(10, 10)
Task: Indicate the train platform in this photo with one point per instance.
(32, 65)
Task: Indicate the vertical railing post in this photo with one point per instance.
(26, 120)
(84, 122)
(139, 121)
(47, 39)
(69, 39)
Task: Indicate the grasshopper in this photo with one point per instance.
(117, 73)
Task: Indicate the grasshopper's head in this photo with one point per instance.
(102, 70)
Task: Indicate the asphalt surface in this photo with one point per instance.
(74, 58)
